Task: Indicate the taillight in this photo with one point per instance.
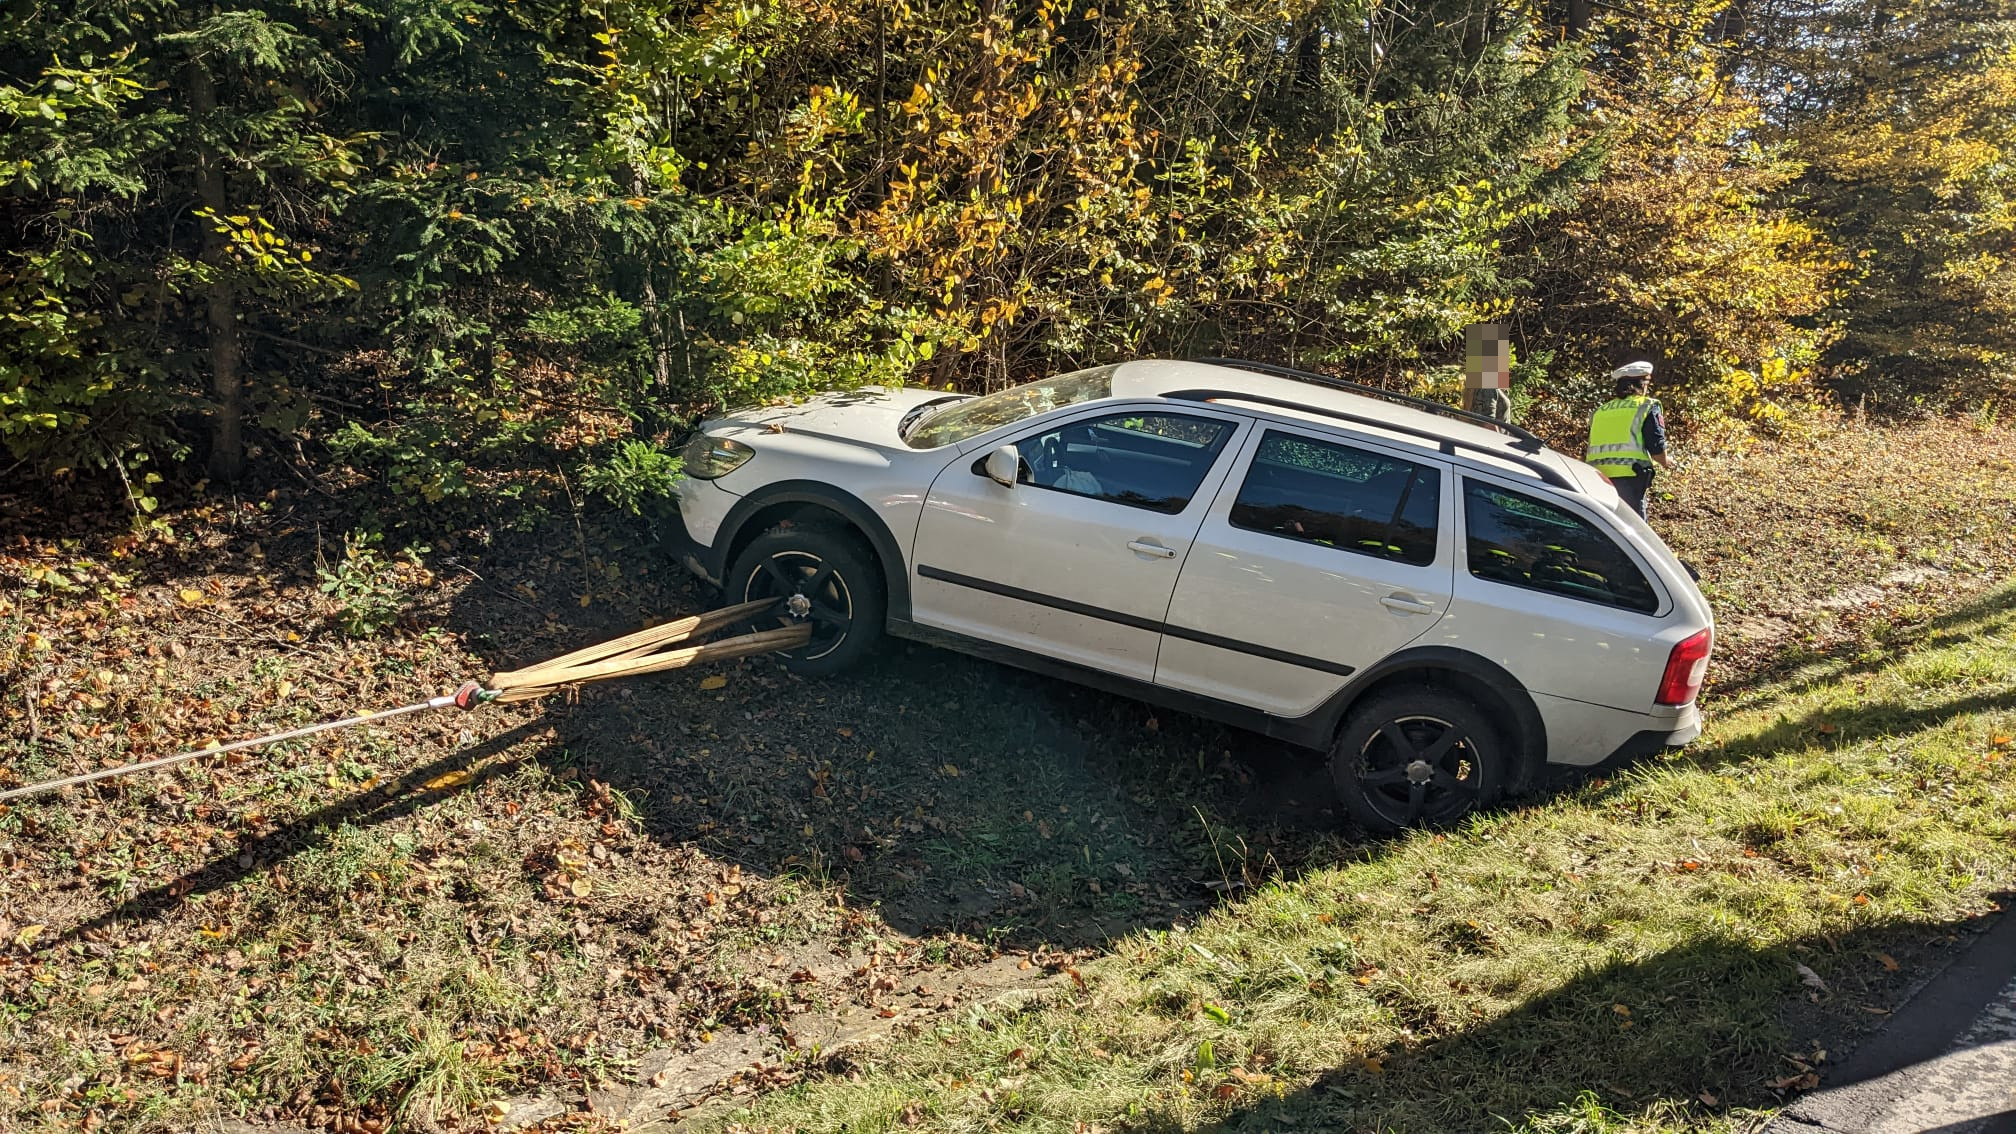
(1685, 667)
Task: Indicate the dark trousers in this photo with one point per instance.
(1634, 489)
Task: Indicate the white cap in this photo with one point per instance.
(1632, 370)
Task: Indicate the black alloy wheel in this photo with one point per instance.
(825, 577)
(1417, 758)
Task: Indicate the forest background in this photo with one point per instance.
(468, 248)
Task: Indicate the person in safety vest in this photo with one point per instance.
(1627, 435)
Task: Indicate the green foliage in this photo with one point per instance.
(439, 239)
(635, 477)
(1909, 139)
(364, 586)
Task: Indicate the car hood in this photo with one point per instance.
(869, 415)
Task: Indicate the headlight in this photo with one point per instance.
(711, 458)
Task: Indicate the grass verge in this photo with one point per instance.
(399, 927)
(1665, 950)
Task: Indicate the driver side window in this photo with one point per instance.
(1143, 460)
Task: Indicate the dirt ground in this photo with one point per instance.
(626, 903)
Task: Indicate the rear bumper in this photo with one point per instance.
(1583, 735)
(1651, 743)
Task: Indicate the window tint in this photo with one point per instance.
(1153, 461)
(1338, 496)
(1524, 542)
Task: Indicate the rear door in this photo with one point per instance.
(1545, 591)
(1318, 558)
(1078, 559)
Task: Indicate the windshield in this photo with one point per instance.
(974, 416)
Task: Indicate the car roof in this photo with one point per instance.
(1161, 377)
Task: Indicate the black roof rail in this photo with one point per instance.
(1449, 445)
(1527, 441)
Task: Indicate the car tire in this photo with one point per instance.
(1418, 757)
(836, 573)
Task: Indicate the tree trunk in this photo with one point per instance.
(1578, 17)
(227, 442)
(652, 416)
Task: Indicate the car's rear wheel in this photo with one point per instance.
(1418, 757)
(826, 577)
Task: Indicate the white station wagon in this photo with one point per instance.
(1438, 601)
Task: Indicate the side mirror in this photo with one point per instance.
(1003, 466)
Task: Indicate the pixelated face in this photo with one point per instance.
(1487, 357)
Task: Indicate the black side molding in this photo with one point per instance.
(1315, 730)
(1122, 619)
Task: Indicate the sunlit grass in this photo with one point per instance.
(1623, 957)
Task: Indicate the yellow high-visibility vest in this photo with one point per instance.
(1617, 435)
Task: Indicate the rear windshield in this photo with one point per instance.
(961, 421)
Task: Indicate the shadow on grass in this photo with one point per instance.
(1691, 1031)
(391, 800)
(957, 795)
(1801, 672)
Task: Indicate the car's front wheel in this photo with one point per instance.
(825, 577)
(1417, 757)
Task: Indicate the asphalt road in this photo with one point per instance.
(1945, 1064)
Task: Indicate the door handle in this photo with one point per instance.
(1407, 604)
(1155, 549)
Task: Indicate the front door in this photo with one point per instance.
(1318, 560)
(1077, 560)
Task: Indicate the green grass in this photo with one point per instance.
(345, 929)
(1621, 957)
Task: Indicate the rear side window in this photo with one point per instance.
(1143, 460)
(1342, 497)
(1523, 542)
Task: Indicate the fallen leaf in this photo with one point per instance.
(1810, 979)
(28, 934)
(285, 688)
(714, 681)
(1708, 1098)
(1621, 1009)
(1888, 962)
(580, 887)
(1216, 1013)
(2002, 741)
(190, 596)
(950, 770)
(447, 780)
(1804, 1082)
